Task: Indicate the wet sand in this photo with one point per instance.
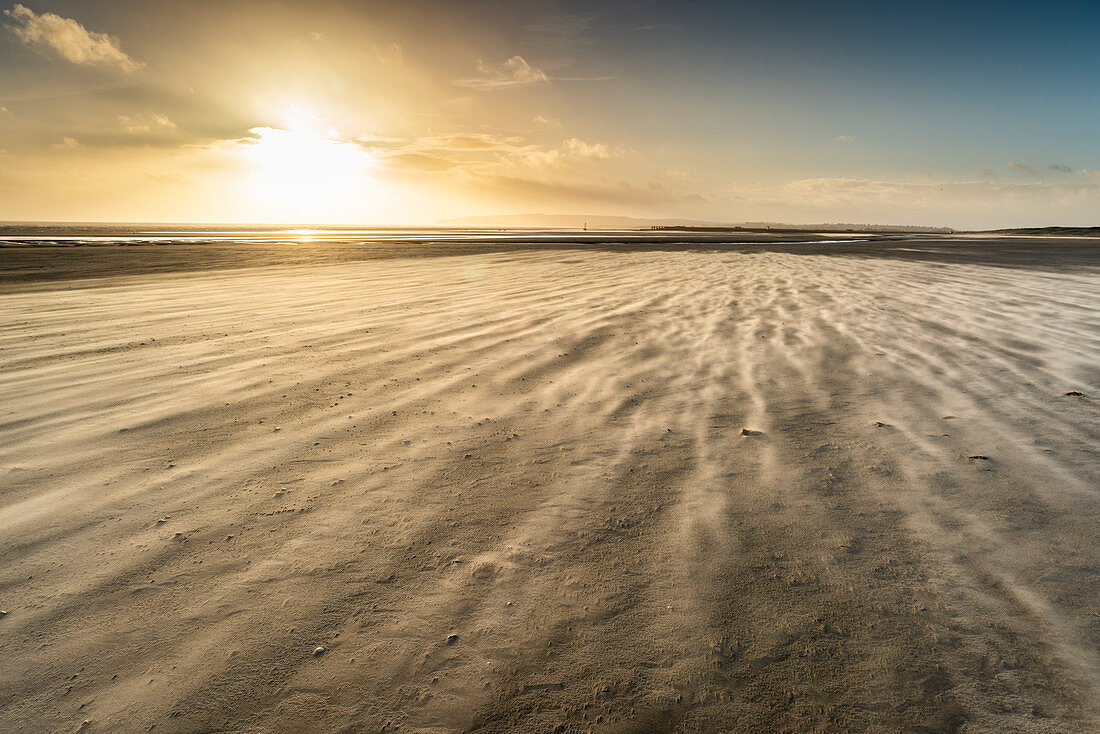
(507, 487)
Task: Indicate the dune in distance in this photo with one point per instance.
(611, 482)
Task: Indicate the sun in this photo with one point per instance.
(304, 173)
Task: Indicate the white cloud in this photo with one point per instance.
(594, 151)
(67, 143)
(514, 72)
(680, 176)
(843, 138)
(544, 121)
(68, 39)
(143, 124)
(485, 154)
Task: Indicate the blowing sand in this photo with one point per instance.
(513, 491)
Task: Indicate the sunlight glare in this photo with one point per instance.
(301, 173)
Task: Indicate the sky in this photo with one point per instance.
(969, 115)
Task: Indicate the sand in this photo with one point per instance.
(513, 490)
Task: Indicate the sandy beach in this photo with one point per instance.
(558, 487)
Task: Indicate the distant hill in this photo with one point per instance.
(598, 221)
(1048, 231)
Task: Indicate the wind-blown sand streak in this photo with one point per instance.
(207, 475)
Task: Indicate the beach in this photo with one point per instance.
(615, 485)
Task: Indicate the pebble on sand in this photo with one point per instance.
(452, 639)
(319, 651)
(751, 432)
(1075, 394)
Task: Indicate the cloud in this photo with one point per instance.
(390, 54)
(143, 124)
(844, 138)
(544, 121)
(68, 39)
(67, 143)
(1059, 168)
(420, 162)
(1024, 169)
(571, 152)
(673, 174)
(484, 151)
(842, 196)
(514, 72)
(594, 151)
(458, 142)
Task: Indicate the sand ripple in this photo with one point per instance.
(207, 475)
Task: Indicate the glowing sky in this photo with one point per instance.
(959, 114)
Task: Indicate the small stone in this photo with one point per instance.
(452, 639)
(751, 432)
(880, 424)
(978, 457)
(319, 651)
(1075, 394)
(3, 613)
